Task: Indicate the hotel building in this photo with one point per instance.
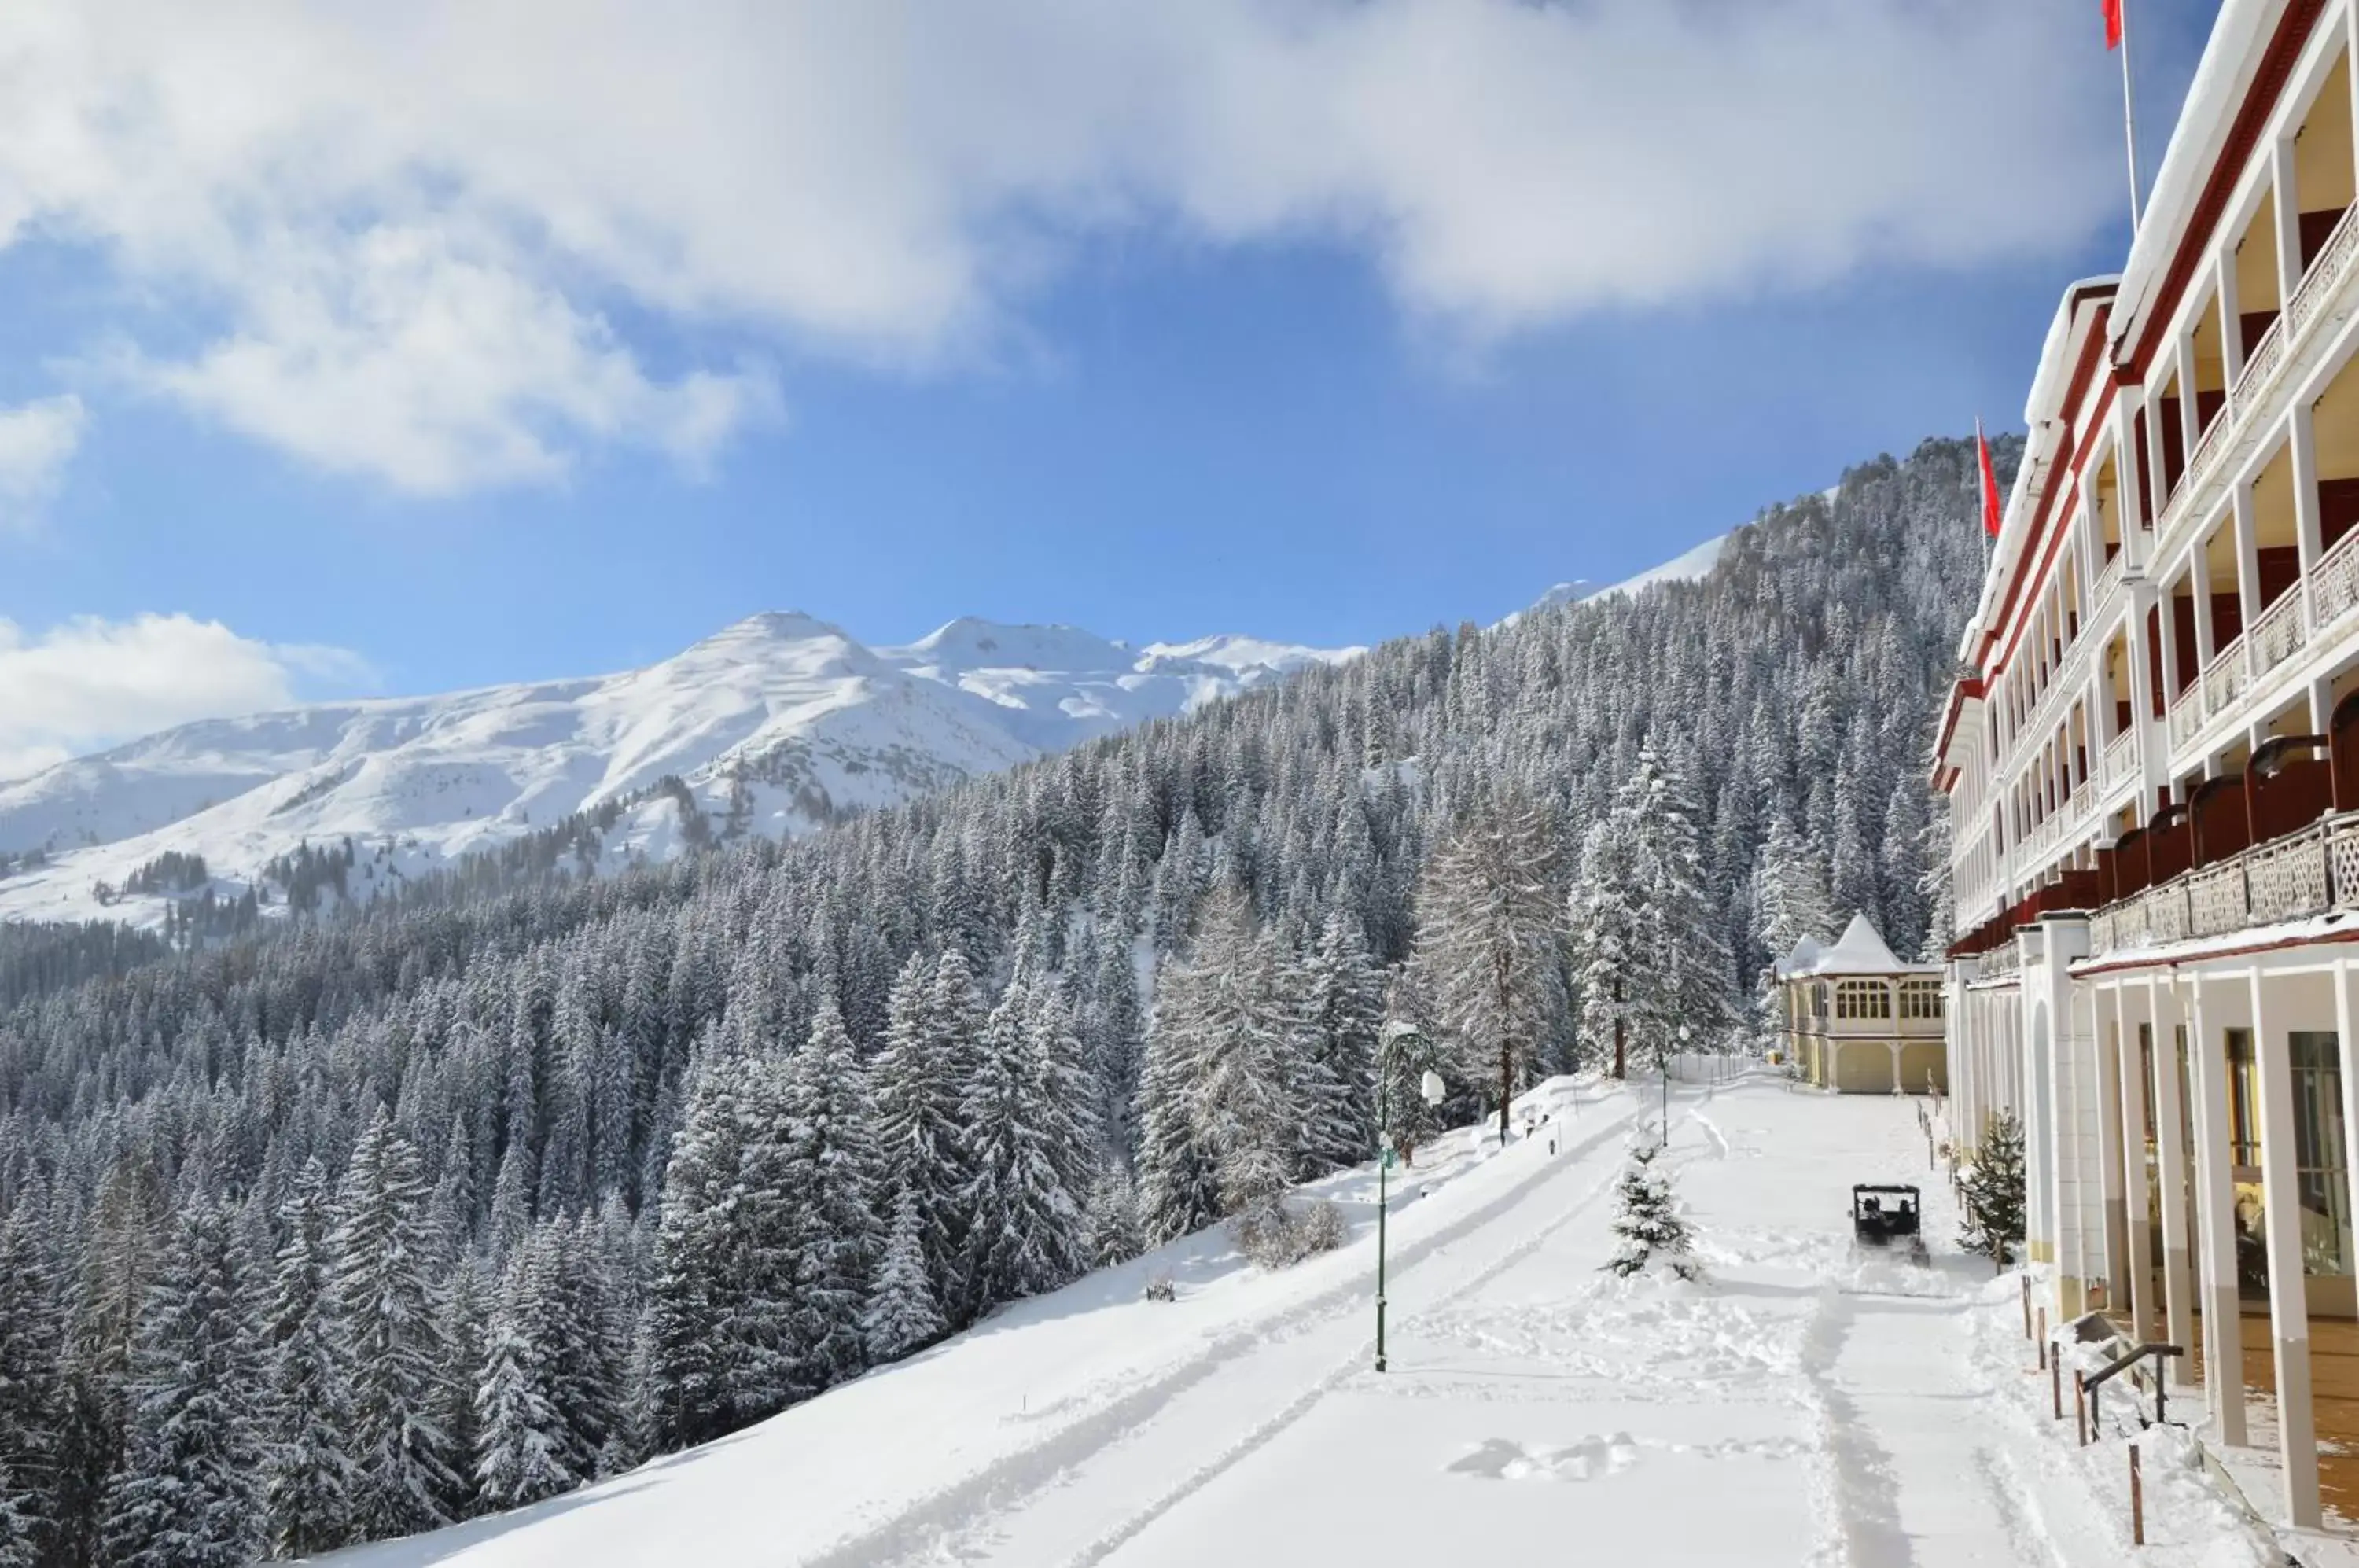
(2152, 762)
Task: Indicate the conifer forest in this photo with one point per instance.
(360, 1219)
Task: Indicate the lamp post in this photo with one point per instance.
(1430, 1089)
(1665, 1141)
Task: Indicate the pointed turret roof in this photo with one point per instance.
(1859, 951)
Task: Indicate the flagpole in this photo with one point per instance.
(2129, 117)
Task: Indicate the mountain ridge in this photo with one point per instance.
(778, 723)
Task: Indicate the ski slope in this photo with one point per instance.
(1773, 1413)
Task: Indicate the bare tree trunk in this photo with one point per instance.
(1507, 1084)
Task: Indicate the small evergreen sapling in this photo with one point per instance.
(1994, 1192)
(1647, 1219)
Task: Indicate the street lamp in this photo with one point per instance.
(1665, 1140)
(1432, 1090)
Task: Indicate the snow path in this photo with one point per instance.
(1793, 1407)
(1085, 1516)
(1081, 1501)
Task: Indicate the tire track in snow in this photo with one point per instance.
(1263, 1433)
(926, 1529)
(1859, 1495)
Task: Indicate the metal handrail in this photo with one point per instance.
(2092, 1382)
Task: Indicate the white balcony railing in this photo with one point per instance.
(2109, 577)
(2324, 276)
(2216, 898)
(2334, 581)
(2266, 356)
(2121, 757)
(2186, 716)
(2281, 631)
(2225, 679)
(2304, 874)
(2208, 448)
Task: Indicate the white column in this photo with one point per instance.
(2137, 1243)
(2307, 526)
(2171, 1171)
(2346, 1012)
(2249, 560)
(2224, 1353)
(2106, 1008)
(2281, 1228)
(2231, 332)
(2189, 424)
(2287, 212)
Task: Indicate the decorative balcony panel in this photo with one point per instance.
(2334, 581)
(2325, 275)
(2281, 633)
(2121, 758)
(2101, 932)
(2186, 716)
(2267, 354)
(2215, 899)
(2226, 678)
(2166, 915)
(2208, 448)
(2286, 880)
(2129, 922)
(2342, 861)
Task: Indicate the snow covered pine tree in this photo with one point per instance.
(1647, 1219)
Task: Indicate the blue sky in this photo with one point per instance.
(1362, 354)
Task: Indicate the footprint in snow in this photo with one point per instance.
(1503, 1459)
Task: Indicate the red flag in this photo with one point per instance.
(2112, 9)
(1992, 509)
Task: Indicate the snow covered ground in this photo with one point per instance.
(1793, 1407)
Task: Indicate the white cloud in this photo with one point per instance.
(91, 683)
(37, 440)
(420, 222)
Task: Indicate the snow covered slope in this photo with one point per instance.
(1536, 1409)
(782, 719)
(1685, 567)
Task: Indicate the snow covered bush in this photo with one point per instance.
(1161, 1288)
(1275, 1236)
(1646, 1220)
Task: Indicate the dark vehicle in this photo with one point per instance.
(1888, 1218)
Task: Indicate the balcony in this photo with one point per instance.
(2304, 614)
(2236, 429)
(2002, 961)
(2281, 633)
(2121, 758)
(2305, 873)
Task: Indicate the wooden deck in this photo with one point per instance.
(2334, 1391)
(2334, 1395)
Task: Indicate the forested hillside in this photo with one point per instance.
(363, 1225)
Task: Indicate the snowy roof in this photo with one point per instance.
(1798, 962)
(1859, 951)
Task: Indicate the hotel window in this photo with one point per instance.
(2243, 1102)
(2320, 1151)
(1920, 998)
(2245, 1154)
(1863, 1000)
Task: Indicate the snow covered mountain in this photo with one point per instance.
(778, 723)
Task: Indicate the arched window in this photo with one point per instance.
(1863, 1000)
(1920, 998)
